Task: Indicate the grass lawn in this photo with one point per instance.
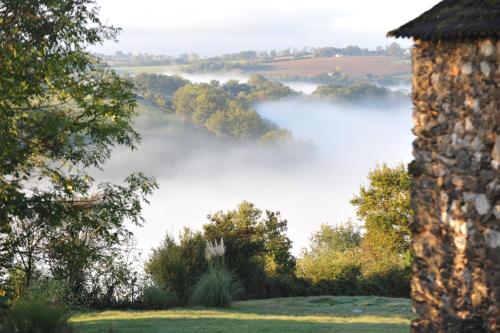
(340, 314)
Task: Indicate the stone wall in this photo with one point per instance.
(456, 195)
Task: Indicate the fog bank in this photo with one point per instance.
(309, 182)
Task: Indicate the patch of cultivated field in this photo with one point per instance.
(347, 65)
(340, 314)
(146, 69)
(353, 66)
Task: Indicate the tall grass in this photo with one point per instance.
(216, 288)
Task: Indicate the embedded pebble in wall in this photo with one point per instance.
(496, 211)
(466, 68)
(492, 238)
(482, 204)
(487, 48)
(485, 68)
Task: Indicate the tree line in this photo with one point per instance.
(249, 60)
(223, 109)
(371, 258)
(227, 109)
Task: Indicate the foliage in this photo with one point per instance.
(384, 206)
(158, 88)
(277, 136)
(332, 262)
(252, 242)
(238, 122)
(341, 260)
(36, 316)
(112, 280)
(336, 238)
(257, 250)
(59, 105)
(61, 112)
(211, 106)
(156, 298)
(197, 102)
(88, 248)
(177, 266)
(234, 88)
(352, 93)
(216, 288)
(40, 309)
(263, 89)
(223, 109)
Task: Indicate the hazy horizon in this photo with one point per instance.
(227, 26)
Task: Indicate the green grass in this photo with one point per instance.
(339, 314)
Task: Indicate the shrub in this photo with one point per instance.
(156, 298)
(178, 265)
(36, 316)
(216, 288)
(40, 309)
(394, 282)
(257, 245)
(282, 286)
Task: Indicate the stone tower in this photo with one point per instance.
(456, 194)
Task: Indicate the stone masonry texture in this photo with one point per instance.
(456, 193)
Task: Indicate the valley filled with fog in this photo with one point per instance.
(310, 180)
(300, 86)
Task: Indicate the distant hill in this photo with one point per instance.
(354, 66)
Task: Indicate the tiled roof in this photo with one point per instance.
(454, 19)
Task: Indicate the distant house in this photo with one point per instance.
(456, 196)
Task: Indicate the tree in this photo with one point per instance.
(61, 112)
(339, 238)
(197, 102)
(263, 89)
(178, 265)
(237, 122)
(395, 50)
(353, 93)
(149, 85)
(384, 206)
(333, 258)
(256, 245)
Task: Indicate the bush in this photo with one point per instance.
(156, 298)
(178, 265)
(40, 309)
(282, 286)
(394, 282)
(37, 316)
(216, 288)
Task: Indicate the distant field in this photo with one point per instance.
(298, 315)
(146, 69)
(351, 66)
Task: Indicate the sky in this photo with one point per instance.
(225, 26)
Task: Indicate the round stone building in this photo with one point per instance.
(456, 194)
